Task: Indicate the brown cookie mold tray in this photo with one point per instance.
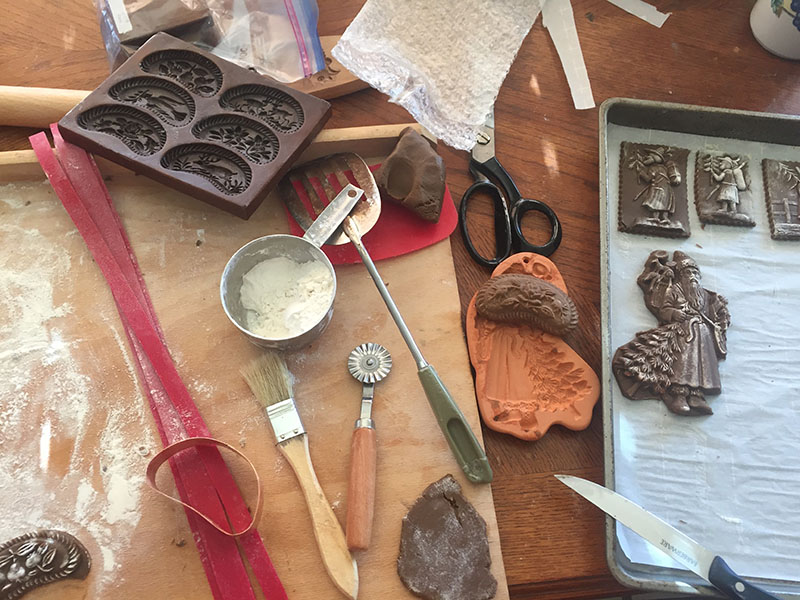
(197, 123)
(718, 190)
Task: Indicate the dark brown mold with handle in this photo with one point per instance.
(40, 557)
(197, 123)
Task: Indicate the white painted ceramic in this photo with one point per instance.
(775, 32)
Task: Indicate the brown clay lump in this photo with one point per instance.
(523, 299)
(444, 550)
(413, 174)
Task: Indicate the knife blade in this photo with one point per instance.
(670, 541)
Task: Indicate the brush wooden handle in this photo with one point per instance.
(329, 535)
(361, 488)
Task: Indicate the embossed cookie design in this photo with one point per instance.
(193, 71)
(519, 298)
(722, 189)
(255, 141)
(140, 132)
(276, 108)
(526, 378)
(166, 100)
(782, 185)
(652, 190)
(190, 120)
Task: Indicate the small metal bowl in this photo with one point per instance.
(248, 256)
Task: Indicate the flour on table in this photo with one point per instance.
(63, 442)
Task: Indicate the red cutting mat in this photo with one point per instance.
(398, 230)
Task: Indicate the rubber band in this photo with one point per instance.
(192, 442)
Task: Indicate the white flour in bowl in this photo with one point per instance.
(285, 298)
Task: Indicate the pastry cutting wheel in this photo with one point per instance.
(369, 363)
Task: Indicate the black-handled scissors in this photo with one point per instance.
(509, 238)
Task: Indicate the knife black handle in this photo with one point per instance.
(729, 583)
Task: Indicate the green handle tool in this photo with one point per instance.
(463, 443)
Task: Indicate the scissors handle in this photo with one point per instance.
(520, 206)
(521, 244)
(502, 223)
(493, 168)
(508, 228)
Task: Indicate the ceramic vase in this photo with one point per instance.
(773, 28)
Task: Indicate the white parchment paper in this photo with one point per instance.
(732, 480)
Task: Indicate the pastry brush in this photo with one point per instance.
(271, 383)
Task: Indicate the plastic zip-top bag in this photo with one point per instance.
(277, 38)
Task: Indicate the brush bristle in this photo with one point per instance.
(269, 378)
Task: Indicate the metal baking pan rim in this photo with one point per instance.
(629, 574)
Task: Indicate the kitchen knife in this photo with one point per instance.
(669, 540)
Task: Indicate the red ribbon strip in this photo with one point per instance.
(202, 483)
(214, 554)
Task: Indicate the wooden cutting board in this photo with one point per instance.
(76, 433)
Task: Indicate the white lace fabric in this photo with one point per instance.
(443, 60)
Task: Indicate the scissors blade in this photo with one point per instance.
(483, 149)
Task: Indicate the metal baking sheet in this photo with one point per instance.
(732, 480)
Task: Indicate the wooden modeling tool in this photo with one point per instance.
(271, 383)
(369, 363)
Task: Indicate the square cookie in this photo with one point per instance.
(652, 190)
(782, 187)
(722, 189)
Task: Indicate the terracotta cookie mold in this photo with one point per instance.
(525, 378)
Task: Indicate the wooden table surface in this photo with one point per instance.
(705, 54)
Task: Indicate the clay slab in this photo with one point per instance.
(444, 551)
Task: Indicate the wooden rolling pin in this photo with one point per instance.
(38, 107)
(369, 141)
